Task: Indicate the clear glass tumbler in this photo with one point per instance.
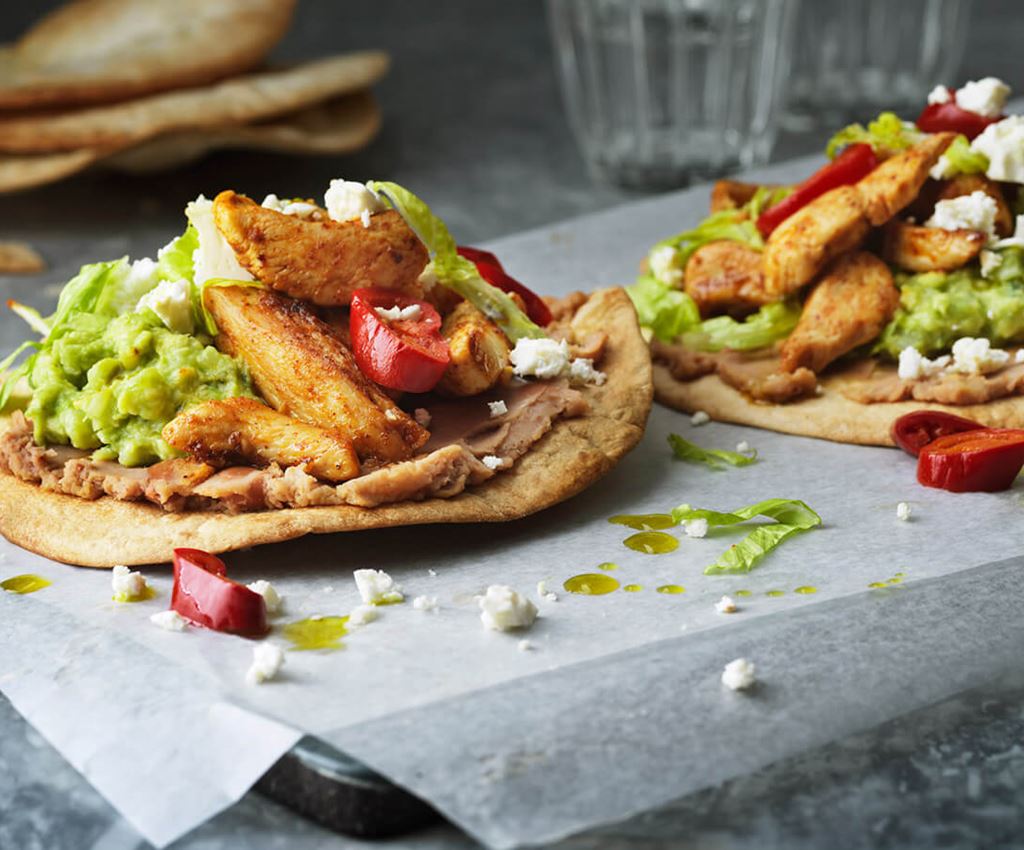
(659, 92)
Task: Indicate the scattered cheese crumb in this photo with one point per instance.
(425, 603)
(127, 585)
(939, 94)
(271, 597)
(376, 587)
(346, 200)
(497, 408)
(492, 462)
(524, 645)
(171, 301)
(540, 358)
(267, 660)
(696, 527)
(422, 417)
(582, 371)
(502, 608)
(662, 262)
(975, 356)
(726, 605)
(1003, 144)
(363, 614)
(364, 217)
(913, 366)
(170, 621)
(903, 511)
(743, 447)
(976, 211)
(432, 573)
(985, 97)
(699, 418)
(544, 593)
(738, 675)
(299, 209)
(412, 313)
(990, 261)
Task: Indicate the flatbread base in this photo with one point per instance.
(574, 454)
(829, 416)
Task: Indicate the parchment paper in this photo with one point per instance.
(618, 705)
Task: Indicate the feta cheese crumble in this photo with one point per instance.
(214, 257)
(524, 645)
(1003, 144)
(582, 371)
(990, 261)
(913, 366)
(425, 603)
(986, 96)
(422, 417)
(743, 447)
(362, 614)
(271, 598)
(412, 313)
(502, 609)
(544, 593)
(172, 303)
(492, 462)
(267, 661)
(662, 262)
(976, 211)
(726, 605)
(346, 200)
(903, 511)
(170, 621)
(695, 527)
(540, 358)
(376, 587)
(739, 675)
(299, 209)
(700, 418)
(975, 356)
(497, 408)
(128, 586)
(939, 94)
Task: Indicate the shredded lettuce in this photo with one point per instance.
(454, 271)
(759, 330)
(30, 316)
(174, 260)
(789, 517)
(715, 458)
(667, 311)
(887, 134)
(960, 158)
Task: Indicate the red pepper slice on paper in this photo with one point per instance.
(913, 431)
(205, 595)
(491, 270)
(402, 354)
(985, 459)
(942, 117)
(855, 162)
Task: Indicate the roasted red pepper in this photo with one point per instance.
(491, 270)
(855, 162)
(943, 117)
(205, 595)
(913, 431)
(985, 459)
(403, 354)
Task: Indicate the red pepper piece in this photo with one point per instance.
(491, 270)
(985, 460)
(205, 595)
(403, 354)
(855, 162)
(913, 431)
(943, 117)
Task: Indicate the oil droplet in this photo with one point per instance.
(877, 584)
(899, 575)
(742, 593)
(775, 593)
(671, 589)
(608, 566)
(894, 580)
(27, 583)
(652, 542)
(148, 593)
(633, 588)
(591, 584)
(317, 633)
(644, 522)
(806, 589)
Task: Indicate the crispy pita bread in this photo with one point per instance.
(20, 258)
(95, 51)
(574, 454)
(342, 125)
(240, 100)
(829, 416)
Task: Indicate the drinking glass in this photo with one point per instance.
(659, 92)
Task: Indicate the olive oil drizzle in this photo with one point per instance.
(651, 542)
(25, 583)
(591, 584)
(317, 633)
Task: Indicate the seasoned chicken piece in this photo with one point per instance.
(965, 184)
(321, 261)
(303, 370)
(848, 307)
(926, 249)
(897, 181)
(732, 194)
(726, 277)
(242, 430)
(479, 352)
(800, 247)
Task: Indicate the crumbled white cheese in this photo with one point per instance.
(524, 645)
(271, 598)
(432, 572)
(696, 527)
(422, 417)
(976, 211)
(346, 200)
(267, 660)
(544, 593)
(903, 511)
(376, 587)
(299, 209)
(1015, 241)
(364, 218)
(492, 462)
(943, 169)
(172, 303)
(502, 608)
(582, 371)
(975, 356)
(743, 447)
(497, 408)
(170, 621)
(425, 603)
(914, 366)
(412, 313)
(939, 94)
(128, 586)
(726, 605)
(1003, 144)
(662, 262)
(990, 261)
(739, 675)
(700, 418)
(214, 257)
(986, 96)
(428, 277)
(362, 614)
(540, 358)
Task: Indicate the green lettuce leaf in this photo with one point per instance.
(453, 271)
(963, 160)
(745, 555)
(667, 311)
(174, 260)
(715, 458)
(8, 380)
(763, 328)
(30, 316)
(84, 291)
(887, 134)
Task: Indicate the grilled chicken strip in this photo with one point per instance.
(479, 352)
(244, 430)
(965, 184)
(926, 249)
(898, 180)
(321, 261)
(849, 306)
(726, 277)
(303, 370)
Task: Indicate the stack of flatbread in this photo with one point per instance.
(147, 85)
